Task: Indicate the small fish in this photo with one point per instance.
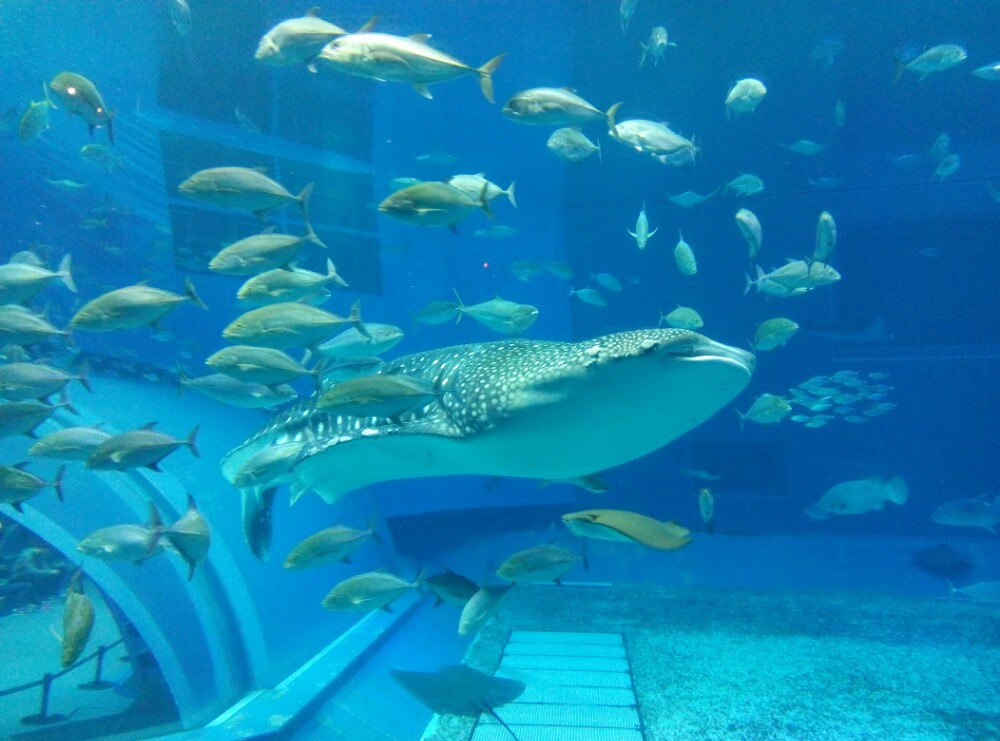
(69, 444)
(263, 365)
(542, 564)
(79, 96)
(766, 409)
(501, 315)
(984, 591)
(66, 184)
(825, 183)
(133, 543)
(260, 252)
(449, 587)
(608, 281)
(243, 189)
(78, 620)
(859, 497)
(698, 473)
(626, 10)
(35, 120)
(558, 269)
(180, 16)
(839, 113)
(628, 527)
(689, 199)
(234, 392)
(706, 506)
(591, 482)
(744, 97)
(749, 226)
(552, 106)
(332, 545)
(132, 307)
(142, 448)
(18, 485)
(497, 231)
(948, 166)
(102, 155)
(351, 344)
(804, 147)
(656, 47)
(684, 256)
(641, 235)
(978, 512)
(439, 312)
(406, 59)
(94, 224)
(298, 40)
(855, 419)
(380, 395)
(481, 607)
(572, 145)
(437, 158)
(433, 204)
(879, 409)
(745, 185)
(285, 325)
(683, 317)
(477, 186)
(21, 381)
(820, 420)
(936, 59)
(284, 285)
(403, 182)
(370, 591)
(268, 466)
(774, 333)
(826, 237)
(588, 296)
(189, 537)
(988, 71)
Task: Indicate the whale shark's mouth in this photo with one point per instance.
(701, 348)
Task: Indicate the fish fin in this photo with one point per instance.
(387, 608)
(57, 484)
(453, 229)
(486, 76)
(420, 38)
(558, 581)
(296, 490)
(65, 274)
(155, 522)
(652, 233)
(510, 194)
(311, 66)
(82, 377)
(190, 441)
(610, 115)
(346, 559)
(17, 507)
(742, 417)
(485, 202)
(91, 128)
(645, 49)
(355, 319)
(631, 233)
(437, 602)
(20, 466)
(303, 199)
(192, 294)
(369, 25)
(154, 467)
(489, 710)
(314, 238)
(423, 90)
(313, 12)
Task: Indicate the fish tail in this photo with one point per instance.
(510, 194)
(82, 377)
(645, 50)
(610, 115)
(45, 94)
(486, 75)
(182, 379)
(897, 490)
(65, 274)
(57, 484)
(313, 237)
(192, 294)
(369, 25)
(355, 319)
(742, 417)
(485, 202)
(190, 441)
(461, 306)
(155, 522)
(900, 69)
(64, 401)
(600, 158)
(372, 527)
(333, 275)
(303, 199)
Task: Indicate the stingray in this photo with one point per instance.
(517, 408)
(689, 199)
(460, 690)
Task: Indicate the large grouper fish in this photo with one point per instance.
(522, 408)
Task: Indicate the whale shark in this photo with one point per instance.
(518, 407)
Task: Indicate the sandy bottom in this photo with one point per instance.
(727, 664)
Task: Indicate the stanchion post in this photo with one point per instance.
(97, 683)
(42, 717)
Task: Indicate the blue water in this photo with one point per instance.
(916, 255)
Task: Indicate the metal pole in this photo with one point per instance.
(43, 717)
(97, 683)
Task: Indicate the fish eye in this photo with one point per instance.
(71, 90)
